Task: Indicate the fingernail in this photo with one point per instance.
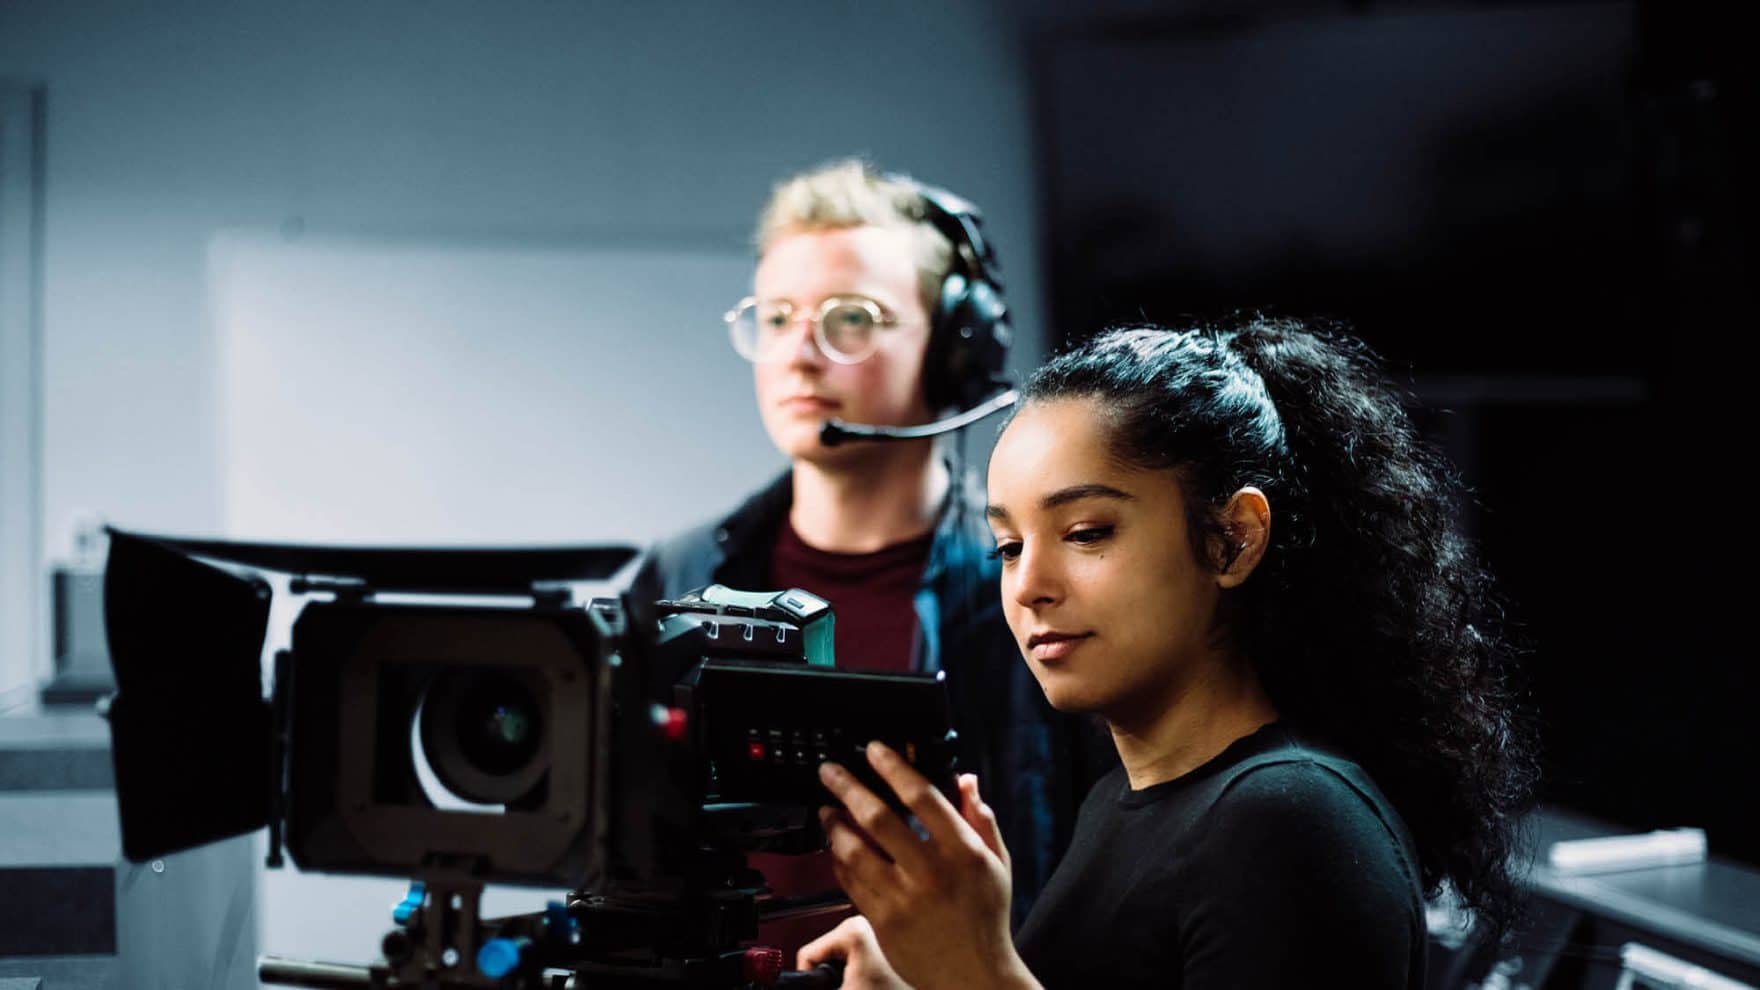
(830, 773)
(877, 750)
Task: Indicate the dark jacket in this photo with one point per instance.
(1034, 765)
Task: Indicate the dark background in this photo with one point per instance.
(1540, 216)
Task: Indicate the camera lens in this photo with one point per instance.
(482, 733)
(497, 725)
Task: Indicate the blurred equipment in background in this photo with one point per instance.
(76, 589)
(1611, 909)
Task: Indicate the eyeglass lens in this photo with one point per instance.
(762, 328)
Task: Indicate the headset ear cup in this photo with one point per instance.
(968, 345)
(989, 343)
(941, 358)
(968, 330)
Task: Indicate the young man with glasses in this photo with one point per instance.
(851, 269)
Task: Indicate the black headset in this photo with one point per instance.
(968, 328)
(968, 331)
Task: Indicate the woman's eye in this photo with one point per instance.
(1090, 535)
(1006, 551)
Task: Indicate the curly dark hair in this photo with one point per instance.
(1370, 620)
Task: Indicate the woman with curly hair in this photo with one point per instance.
(1232, 546)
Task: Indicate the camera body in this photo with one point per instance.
(453, 715)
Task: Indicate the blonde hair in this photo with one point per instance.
(852, 193)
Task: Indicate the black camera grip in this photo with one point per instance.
(825, 976)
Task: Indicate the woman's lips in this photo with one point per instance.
(1051, 647)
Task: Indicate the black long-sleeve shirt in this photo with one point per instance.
(1275, 864)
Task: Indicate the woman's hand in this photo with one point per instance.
(864, 966)
(938, 906)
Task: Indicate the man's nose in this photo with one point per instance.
(804, 347)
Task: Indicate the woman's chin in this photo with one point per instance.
(1067, 697)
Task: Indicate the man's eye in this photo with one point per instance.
(1006, 551)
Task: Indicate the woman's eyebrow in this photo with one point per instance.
(1075, 493)
(1064, 496)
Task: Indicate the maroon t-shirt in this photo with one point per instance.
(871, 595)
(872, 598)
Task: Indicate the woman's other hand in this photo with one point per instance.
(864, 965)
(938, 906)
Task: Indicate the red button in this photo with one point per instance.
(755, 750)
(674, 724)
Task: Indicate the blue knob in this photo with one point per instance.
(500, 956)
(412, 902)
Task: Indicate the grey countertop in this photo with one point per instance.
(1713, 905)
(54, 749)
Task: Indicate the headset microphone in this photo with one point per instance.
(836, 431)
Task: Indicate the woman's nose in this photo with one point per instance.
(1036, 582)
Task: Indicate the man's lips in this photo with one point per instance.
(1050, 646)
(809, 403)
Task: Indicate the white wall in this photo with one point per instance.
(530, 135)
(21, 585)
(400, 392)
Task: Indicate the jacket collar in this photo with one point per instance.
(757, 521)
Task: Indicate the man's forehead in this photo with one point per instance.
(882, 250)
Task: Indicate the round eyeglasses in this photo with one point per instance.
(844, 327)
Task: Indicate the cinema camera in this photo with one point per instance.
(454, 717)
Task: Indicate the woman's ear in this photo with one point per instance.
(1246, 527)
